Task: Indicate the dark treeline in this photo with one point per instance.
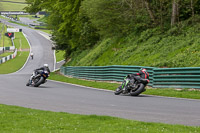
(80, 24)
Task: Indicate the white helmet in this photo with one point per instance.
(46, 65)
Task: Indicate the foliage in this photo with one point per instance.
(33, 6)
(71, 30)
(142, 31)
(109, 17)
(176, 47)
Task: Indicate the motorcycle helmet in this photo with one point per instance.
(143, 69)
(46, 65)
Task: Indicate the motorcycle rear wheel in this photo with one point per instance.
(41, 80)
(139, 90)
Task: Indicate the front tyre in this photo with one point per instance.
(118, 90)
(28, 83)
(139, 90)
(40, 81)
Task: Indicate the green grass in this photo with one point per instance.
(60, 55)
(22, 120)
(43, 19)
(95, 84)
(3, 17)
(184, 93)
(170, 92)
(15, 0)
(4, 40)
(28, 16)
(9, 6)
(19, 37)
(45, 30)
(31, 16)
(18, 23)
(15, 64)
(5, 54)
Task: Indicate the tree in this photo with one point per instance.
(116, 17)
(151, 14)
(175, 12)
(33, 6)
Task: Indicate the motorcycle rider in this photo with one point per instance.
(44, 68)
(142, 76)
(37, 71)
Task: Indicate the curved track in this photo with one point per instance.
(61, 97)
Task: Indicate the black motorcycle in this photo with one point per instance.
(38, 79)
(131, 86)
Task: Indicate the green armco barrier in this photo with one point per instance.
(185, 77)
(104, 73)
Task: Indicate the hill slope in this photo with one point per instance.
(177, 47)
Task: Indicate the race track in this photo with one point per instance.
(61, 97)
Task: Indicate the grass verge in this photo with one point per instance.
(23, 120)
(60, 55)
(15, 64)
(4, 18)
(5, 54)
(183, 93)
(20, 41)
(45, 30)
(4, 40)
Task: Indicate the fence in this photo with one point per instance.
(4, 59)
(188, 77)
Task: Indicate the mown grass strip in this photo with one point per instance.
(183, 93)
(23, 120)
(103, 85)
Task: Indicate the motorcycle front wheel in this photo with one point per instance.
(118, 90)
(28, 83)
